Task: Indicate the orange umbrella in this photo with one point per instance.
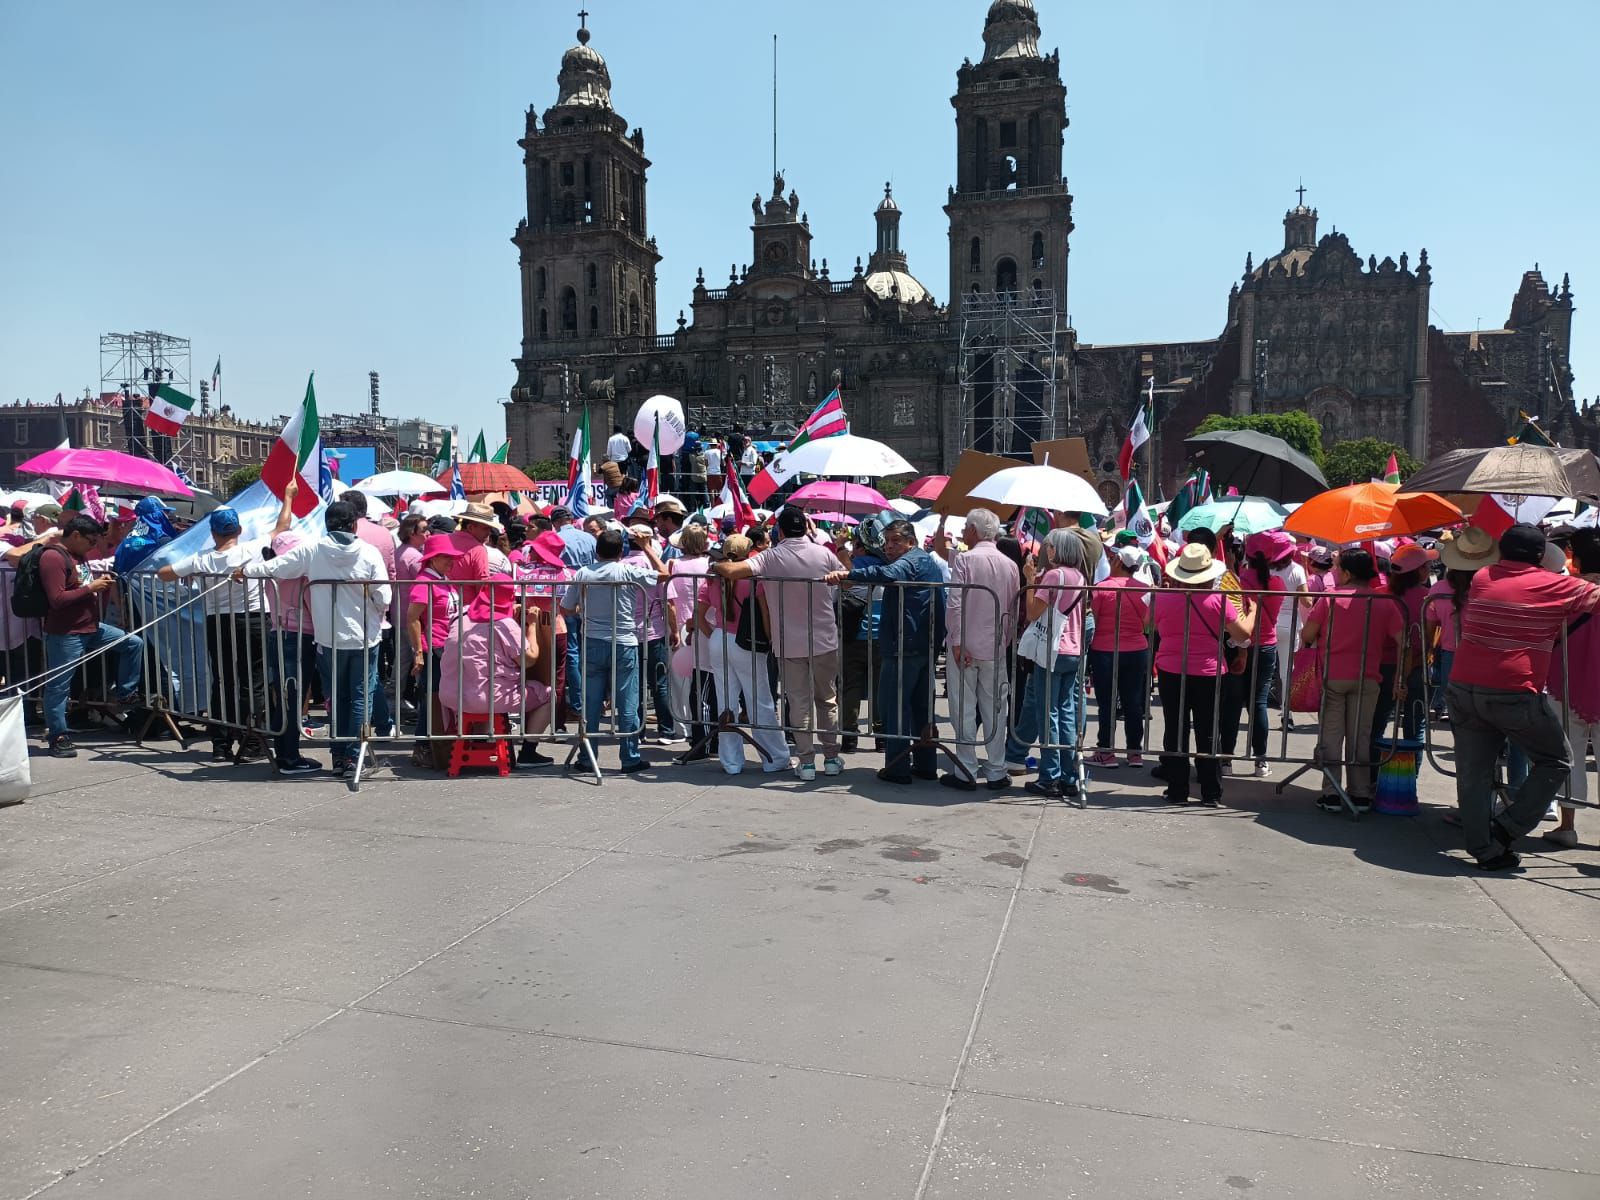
(1366, 511)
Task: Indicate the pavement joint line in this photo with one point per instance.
(231, 831)
(341, 1010)
(1351, 1143)
(215, 989)
(977, 1016)
(686, 1051)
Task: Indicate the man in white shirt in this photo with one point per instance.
(236, 637)
(618, 445)
(348, 593)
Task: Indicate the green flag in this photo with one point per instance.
(503, 454)
(441, 462)
(480, 452)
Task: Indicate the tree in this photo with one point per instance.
(1363, 459)
(545, 469)
(1299, 429)
(891, 488)
(241, 479)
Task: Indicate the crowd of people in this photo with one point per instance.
(802, 641)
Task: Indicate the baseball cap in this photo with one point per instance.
(560, 513)
(1524, 544)
(1130, 556)
(224, 522)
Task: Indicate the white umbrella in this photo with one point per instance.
(845, 454)
(906, 508)
(401, 483)
(1041, 487)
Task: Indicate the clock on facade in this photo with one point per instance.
(775, 253)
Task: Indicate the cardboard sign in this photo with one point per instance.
(1066, 454)
(973, 468)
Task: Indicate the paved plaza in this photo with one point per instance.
(685, 985)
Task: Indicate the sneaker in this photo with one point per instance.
(1361, 804)
(528, 756)
(1104, 758)
(637, 765)
(1263, 769)
(1562, 837)
(667, 739)
(930, 775)
(1135, 759)
(958, 783)
(1328, 802)
(1016, 770)
(1035, 787)
(1227, 767)
(889, 776)
(1069, 789)
(1506, 860)
(62, 747)
(1553, 813)
(833, 766)
(806, 772)
(849, 745)
(341, 770)
(300, 766)
(221, 754)
(998, 785)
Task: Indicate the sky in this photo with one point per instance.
(304, 186)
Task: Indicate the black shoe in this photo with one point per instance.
(1210, 801)
(252, 749)
(1330, 803)
(221, 753)
(699, 754)
(889, 776)
(999, 785)
(529, 757)
(341, 770)
(960, 784)
(848, 745)
(1506, 860)
(640, 764)
(1069, 789)
(1035, 788)
(929, 774)
(1171, 799)
(62, 747)
(300, 766)
(1158, 772)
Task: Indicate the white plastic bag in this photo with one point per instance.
(15, 778)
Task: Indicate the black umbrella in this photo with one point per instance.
(1519, 470)
(1257, 462)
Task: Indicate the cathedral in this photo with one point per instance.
(1312, 327)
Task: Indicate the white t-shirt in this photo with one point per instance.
(235, 597)
(617, 447)
(714, 460)
(1294, 580)
(748, 460)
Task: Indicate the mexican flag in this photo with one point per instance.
(645, 502)
(1138, 432)
(502, 455)
(1196, 490)
(578, 470)
(216, 380)
(738, 504)
(826, 420)
(480, 452)
(1391, 472)
(1135, 517)
(441, 463)
(298, 452)
(169, 409)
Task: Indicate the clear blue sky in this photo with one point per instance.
(303, 185)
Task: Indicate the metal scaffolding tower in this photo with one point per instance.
(133, 364)
(1010, 344)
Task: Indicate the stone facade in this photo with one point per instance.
(1312, 328)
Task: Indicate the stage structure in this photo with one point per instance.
(1010, 345)
(133, 364)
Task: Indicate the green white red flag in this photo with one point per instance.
(298, 453)
(1391, 473)
(826, 420)
(169, 409)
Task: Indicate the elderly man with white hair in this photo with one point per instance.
(980, 624)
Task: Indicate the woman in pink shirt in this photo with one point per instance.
(1119, 656)
(491, 664)
(544, 572)
(691, 691)
(431, 607)
(1049, 703)
(1191, 619)
(1245, 691)
(1352, 625)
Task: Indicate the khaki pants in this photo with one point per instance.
(1346, 732)
(811, 686)
(980, 691)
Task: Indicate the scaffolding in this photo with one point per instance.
(133, 365)
(1010, 346)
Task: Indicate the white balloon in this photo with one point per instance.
(673, 427)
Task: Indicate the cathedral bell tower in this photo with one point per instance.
(1010, 211)
(587, 262)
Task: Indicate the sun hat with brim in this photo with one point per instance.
(1468, 550)
(1272, 544)
(440, 545)
(1195, 565)
(481, 514)
(547, 548)
(1409, 557)
(670, 504)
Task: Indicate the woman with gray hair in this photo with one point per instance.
(1056, 607)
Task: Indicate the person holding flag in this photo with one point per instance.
(644, 502)
(826, 420)
(297, 454)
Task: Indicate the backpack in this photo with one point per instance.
(751, 633)
(28, 599)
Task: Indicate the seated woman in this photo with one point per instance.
(491, 662)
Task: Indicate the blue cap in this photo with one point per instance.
(224, 522)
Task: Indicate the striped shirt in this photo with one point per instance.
(1509, 626)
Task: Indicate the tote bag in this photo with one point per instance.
(1305, 683)
(15, 777)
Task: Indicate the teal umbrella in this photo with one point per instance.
(1247, 515)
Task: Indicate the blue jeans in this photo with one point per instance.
(1058, 717)
(574, 662)
(291, 657)
(61, 649)
(348, 678)
(625, 708)
(1130, 669)
(1034, 713)
(904, 699)
(658, 665)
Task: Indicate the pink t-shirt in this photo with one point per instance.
(688, 576)
(802, 611)
(1413, 600)
(1121, 607)
(1350, 638)
(1441, 614)
(1202, 616)
(291, 611)
(440, 600)
(1060, 586)
(1271, 605)
(711, 592)
(652, 622)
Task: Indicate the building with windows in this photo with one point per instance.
(995, 365)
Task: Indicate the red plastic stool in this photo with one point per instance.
(465, 753)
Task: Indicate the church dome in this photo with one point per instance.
(584, 80)
(1011, 30)
(887, 204)
(900, 285)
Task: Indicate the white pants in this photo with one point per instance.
(680, 686)
(741, 675)
(1580, 734)
(981, 690)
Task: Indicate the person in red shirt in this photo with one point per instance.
(1515, 610)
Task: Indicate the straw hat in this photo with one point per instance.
(1468, 550)
(482, 514)
(1195, 565)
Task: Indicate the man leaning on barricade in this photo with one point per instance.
(980, 623)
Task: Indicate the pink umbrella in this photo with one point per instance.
(834, 518)
(837, 496)
(927, 487)
(106, 466)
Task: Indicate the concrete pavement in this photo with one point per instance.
(683, 985)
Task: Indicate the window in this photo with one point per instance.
(544, 322)
(567, 179)
(569, 311)
(20, 431)
(569, 209)
(103, 432)
(1038, 249)
(1005, 276)
(1038, 285)
(543, 282)
(633, 314)
(1008, 133)
(977, 255)
(594, 279)
(594, 319)
(1012, 170)
(905, 410)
